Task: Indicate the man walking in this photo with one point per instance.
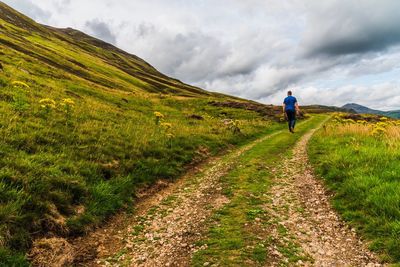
(290, 107)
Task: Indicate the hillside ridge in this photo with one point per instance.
(131, 65)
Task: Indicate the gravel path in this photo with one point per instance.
(301, 205)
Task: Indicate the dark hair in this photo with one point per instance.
(289, 92)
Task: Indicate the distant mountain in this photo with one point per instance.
(362, 109)
(365, 110)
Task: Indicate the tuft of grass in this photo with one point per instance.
(361, 165)
(10, 258)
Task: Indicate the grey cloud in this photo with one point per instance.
(192, 55)
(206, 60)
(351, 27)
(272, 77)
(376, 64)
(145, 29)
(101, 30)
(262, 82)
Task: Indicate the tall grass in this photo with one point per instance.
(360, 162)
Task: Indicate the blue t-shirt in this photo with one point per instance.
(290, 102)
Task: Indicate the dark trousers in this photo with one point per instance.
(291, 116)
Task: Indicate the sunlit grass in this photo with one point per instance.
(359, 161)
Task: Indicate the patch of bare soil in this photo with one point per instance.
(301, 205)
(55, 252)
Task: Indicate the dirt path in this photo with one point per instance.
(301, 205)
(166, 225)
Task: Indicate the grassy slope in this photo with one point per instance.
(230, 240)
(69, 164)
(360, 162)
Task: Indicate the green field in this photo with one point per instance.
(359, 160)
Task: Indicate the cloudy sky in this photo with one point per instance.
(328, 52)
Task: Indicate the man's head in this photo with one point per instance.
(289, 93)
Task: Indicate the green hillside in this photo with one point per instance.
(84, 124)
(71, 55)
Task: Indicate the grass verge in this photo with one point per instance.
(359, 160)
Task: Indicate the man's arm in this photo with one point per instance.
(296, 105)
(284, 110)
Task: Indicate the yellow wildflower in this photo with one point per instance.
(158, 115)
(167, 125)
(20, 84)
(382, 124)
(47, 103)
(68, 101)
(350, 121)
(378, 130)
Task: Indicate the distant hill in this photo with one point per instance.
(324, 109)
(365, 110)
